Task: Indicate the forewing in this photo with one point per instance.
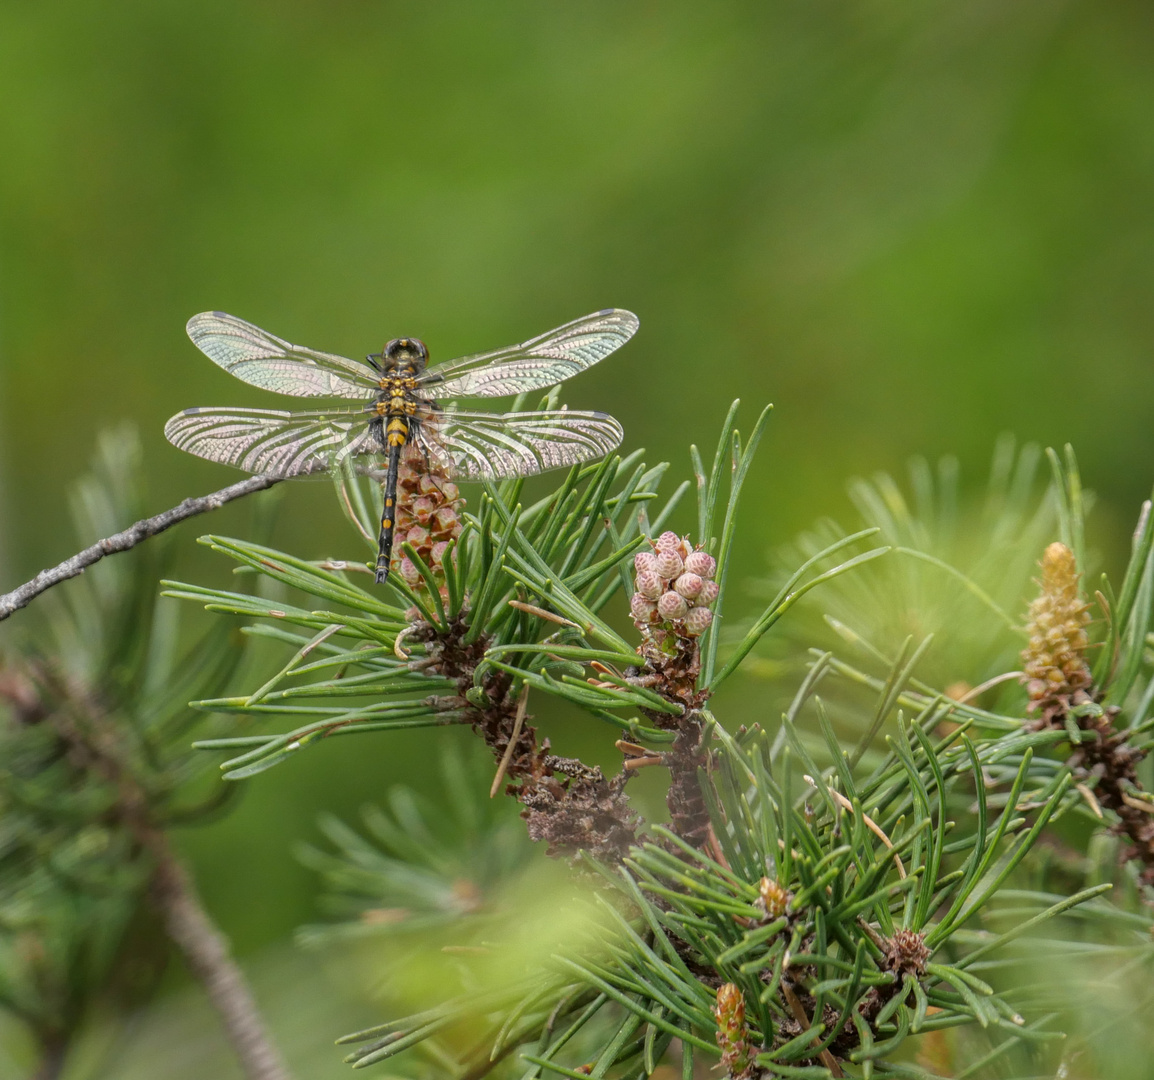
(260, 358)
(494, 446)
(536, 364)
(272, 442)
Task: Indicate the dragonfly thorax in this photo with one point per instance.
(405, 355)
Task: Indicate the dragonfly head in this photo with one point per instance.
(406, 353)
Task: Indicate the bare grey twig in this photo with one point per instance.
(129, 538)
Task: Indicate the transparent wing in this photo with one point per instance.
(270, 441)
(494, 446)
(259, 358)
(533, 365)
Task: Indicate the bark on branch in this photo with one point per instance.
(51, 1066)
(129, 538)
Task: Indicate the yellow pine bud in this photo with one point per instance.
(1054, 661)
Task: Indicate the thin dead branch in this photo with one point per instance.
(129, 538)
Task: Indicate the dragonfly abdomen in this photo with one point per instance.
(397, 406)
(397, 432)
(388, 519)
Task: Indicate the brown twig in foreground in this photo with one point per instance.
(206, 952)
(129, 538)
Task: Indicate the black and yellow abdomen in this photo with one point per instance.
(395, 405)
(397, 432)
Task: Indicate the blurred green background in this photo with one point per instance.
(911, 227)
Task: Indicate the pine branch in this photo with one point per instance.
(1106, 756)
(127, 539)
(688, 813)
(568, 804)
(834, 912)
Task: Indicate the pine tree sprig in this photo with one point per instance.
(829, 875)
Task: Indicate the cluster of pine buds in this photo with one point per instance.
(428, 515)
(1054, 661)
(675, 589)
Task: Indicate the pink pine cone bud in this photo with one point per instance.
(709, 592)
(698, 620)
(409, 571)
(417, 535)
(642, 609)
(669, 564)
(698, 562)
(421, 509)
(445, 518)
(437, 555)
(689, 585)
(649, 584)
(667, 541)
(644, 560)
(672, 606)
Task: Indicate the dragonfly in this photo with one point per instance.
(401, 406)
